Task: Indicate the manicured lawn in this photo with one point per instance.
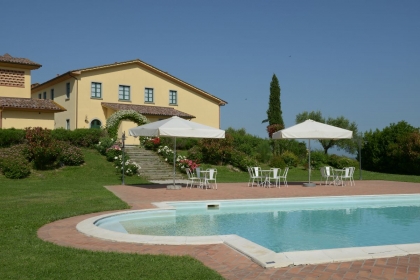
(46, 196)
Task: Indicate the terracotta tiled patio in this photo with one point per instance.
(229, 263)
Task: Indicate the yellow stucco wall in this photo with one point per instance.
(20, 92)
(23, 119)
(204, 109)
(60, 97)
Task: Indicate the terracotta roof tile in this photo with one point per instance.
(148, 109)
(17, 60)
(30, 104)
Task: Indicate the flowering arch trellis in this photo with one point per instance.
(113, 122)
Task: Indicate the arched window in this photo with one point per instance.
(95, 124)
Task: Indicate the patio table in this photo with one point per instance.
(337, 176)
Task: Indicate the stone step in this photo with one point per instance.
(153, 167)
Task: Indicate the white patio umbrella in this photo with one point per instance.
(176, 127)
(310, 129)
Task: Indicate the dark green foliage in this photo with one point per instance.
(290, 159)
(340, 162)
(274, 113)
(70, 155)
(42, 150)
(103, 145)
(318, 159)
(195, 154)
(185, 143)
(81, 137)
(11, 136)
(245, 142)
(263, 151)
(395, 149)
(348, 145)
(13, 163)
(242, 160)
(217, 151)
(277, 162)
(296, 147)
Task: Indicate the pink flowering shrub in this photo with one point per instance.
(191, 164)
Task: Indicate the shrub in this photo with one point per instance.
(70, 155)
(242, 160)
(113, 152)
(264, 151)
(130, 167)
(195, 154)
(42, 149)
(13, 163)
(290, 159)
(341, 162)
(11, 136)
(277, 161)
(104, 144)
(150, 143)
(16, 167)
(318, 159)
(85, 137)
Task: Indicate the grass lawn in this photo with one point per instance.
(46, 196)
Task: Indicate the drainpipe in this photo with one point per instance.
(77, 107)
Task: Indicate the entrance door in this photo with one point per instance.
(95, 124)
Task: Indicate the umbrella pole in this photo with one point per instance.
(174, 158)
(309, 184)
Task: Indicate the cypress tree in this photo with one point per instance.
(274, 113)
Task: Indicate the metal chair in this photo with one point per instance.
(210, 175)
(284, 177)
(327, 172)
(193, 179)
(348, 174)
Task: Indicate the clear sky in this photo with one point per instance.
(359, 59)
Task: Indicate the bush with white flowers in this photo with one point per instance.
(113, 122)
(130, 167)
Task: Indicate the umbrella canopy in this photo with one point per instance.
(310, 129)
(176, 127)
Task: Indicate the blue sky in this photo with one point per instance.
(358, 59)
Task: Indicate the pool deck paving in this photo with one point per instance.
(230, 263)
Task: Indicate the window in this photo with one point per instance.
(96, 90)
(68, 90)
(40, 96)
(68, 124)
(45, 95)
(95, 124)
(124, 93)
(148, 95)
(52, 94)
(172, 97)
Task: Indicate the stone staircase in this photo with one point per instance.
(153, 167)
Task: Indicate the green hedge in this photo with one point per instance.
(11, 136)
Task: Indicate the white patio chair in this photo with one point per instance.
(210, 175)
(284, 177)
(193, 179)
(253, 177)
(274, 175)
(348, 175)
(327, 172)
(258, 175)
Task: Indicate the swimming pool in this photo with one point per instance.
(281, 226)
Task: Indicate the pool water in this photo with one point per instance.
(291, 224)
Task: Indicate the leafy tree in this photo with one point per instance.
(274, 113)
(348, 145)
(395, 149)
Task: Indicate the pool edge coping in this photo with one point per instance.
(259, 254)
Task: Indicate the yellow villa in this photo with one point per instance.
(17, 108)
(91, 95)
